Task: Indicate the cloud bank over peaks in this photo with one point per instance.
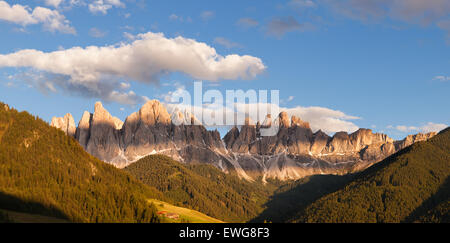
(320, 118)
(429, 127)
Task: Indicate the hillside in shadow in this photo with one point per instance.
(294, 196)
(34, 210)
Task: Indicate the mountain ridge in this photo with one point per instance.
(293, 153)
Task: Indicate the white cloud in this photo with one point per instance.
(145, 59)
(403, 128)
(178, 92)
(290, 98)
(326, 119)
(95, 71)
(129, 36)
(17, 14)
(102, 6)
(53, 3)
(442, 78)
(51, 20)
(429, 127)
(433, 127)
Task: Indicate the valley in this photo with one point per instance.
(46, 175)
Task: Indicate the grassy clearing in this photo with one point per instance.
(185, 214)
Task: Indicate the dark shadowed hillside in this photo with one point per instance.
(409, 186)
(292, 197)
(202, 187)
(45, 172)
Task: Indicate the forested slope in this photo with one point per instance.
(409, 186)
(202, 187)
(43, 171)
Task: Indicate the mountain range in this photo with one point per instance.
(294, 152)
(47, 176)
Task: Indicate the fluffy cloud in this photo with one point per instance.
(51, 20)
(102, 6)
(429, 127)
(53, 3)
(150, 55)
(145, 59)
(326, 119)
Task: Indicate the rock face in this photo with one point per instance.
(66, 123)
(410, 139)
(103, 136)
(148, 131)
(294, 152)
(83, 129)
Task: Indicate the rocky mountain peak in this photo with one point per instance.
(66, 123)
(284, 120)
(98, 106)
(101, 115)
(83, 129)
(296, 121)
(153, 113)
(410, 139)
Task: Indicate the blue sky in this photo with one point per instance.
(386, 63)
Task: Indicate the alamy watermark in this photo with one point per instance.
(212, 109)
